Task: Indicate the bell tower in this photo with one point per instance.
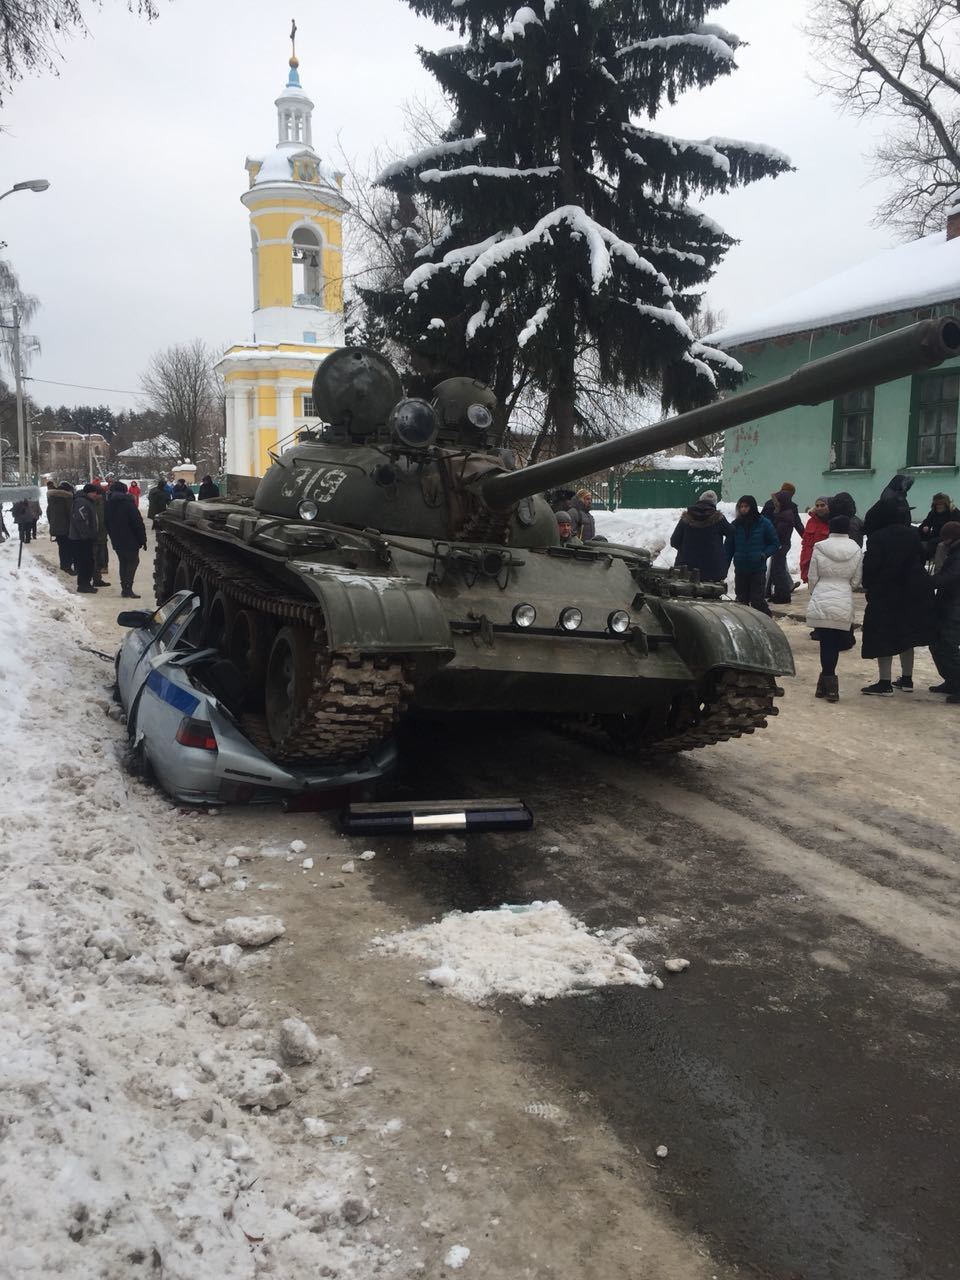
(296, 209)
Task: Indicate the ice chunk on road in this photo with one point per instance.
(297, 1041)
(456, 1257)
(251, 931)
(535, 952)
(213, 966)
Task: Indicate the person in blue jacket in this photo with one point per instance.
(752, 540)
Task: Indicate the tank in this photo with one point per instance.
(398, 560)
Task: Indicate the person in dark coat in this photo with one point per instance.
(842, 504)
(896, 494)
(128, 535)
(945, 649)
(158, 499)
(83, 536)
(776, 503)
(750, 542)
(785, 518)
(699, 538)
(59, 507)
(208, 488)
(23, 519)
(899, 614)
(941, 512)
(182, 490)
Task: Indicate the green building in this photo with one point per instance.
(858, 442)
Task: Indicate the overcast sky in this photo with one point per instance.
(141, 240)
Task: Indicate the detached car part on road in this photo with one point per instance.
(183, 706)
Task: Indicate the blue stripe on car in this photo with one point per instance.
(166, 691)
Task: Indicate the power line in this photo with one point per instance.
(80, 386)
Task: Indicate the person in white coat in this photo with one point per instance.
(836, 567)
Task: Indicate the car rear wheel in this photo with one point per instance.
(291, 670)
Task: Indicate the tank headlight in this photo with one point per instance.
(479, 416)
(619, 622)
(570, 619)
(308, 510)
(524, 615)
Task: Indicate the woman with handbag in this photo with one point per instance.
(834, 574)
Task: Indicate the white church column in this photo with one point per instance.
(230, 406)
(284, 412)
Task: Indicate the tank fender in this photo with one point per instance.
(711, 634)
(367, 613)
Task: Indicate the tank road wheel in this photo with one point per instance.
(291, 672)
(248, 648)
(182, 577)
(220, 617)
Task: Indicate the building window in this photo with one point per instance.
(310, 337)
(852, 430)
(933, 426)
(308, 409)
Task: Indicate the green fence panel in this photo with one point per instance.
(646, 489)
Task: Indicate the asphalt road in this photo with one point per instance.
(803, 1071)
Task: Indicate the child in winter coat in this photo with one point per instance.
(836, 566)
(815, 530)
(749, 544)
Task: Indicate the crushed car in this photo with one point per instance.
(188, 729)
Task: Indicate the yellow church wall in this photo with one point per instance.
(266, 402)
(266, 440)
(276, 275)
(277, 226)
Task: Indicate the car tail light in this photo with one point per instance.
(196, 733)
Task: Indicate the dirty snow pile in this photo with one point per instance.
(534, 952)
(153, 1123)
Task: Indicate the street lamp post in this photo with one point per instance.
(32, 184)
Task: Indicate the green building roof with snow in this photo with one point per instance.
(855, 443)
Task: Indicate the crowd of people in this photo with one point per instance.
(910, 575)
(86, 521)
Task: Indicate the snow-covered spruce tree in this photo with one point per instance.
(567, 223)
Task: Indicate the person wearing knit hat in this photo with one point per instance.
(787, 487)
(815, 530)
(565, 530)
(782, 513)
(945, 649)
(699, 539)
(584, 524)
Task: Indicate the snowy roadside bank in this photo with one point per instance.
(139, 1133)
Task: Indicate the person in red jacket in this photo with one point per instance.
(134, 491)
(816, 529)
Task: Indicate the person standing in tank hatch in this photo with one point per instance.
(585, 526)
(750, 543)
(699, 539)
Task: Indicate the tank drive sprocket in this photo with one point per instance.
(342, 704)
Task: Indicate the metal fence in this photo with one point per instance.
(646, 489)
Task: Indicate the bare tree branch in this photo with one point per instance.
(899, 59)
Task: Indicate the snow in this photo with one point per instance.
(601, 242)
(413, 161)
(903, 278)
(533, 325)
(703, 40)
(534, 952)
(487, 171)
(159, 447)
(523, 18)
(684, 462)
(131, 1139)
(456, 1256)
(277, 165)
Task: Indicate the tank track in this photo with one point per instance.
(355, 702)
(738, 703)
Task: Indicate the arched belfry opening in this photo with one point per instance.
(307, 268)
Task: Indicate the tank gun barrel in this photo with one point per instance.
(895, 355)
